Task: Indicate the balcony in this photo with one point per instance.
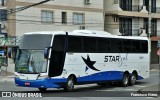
(135, 8)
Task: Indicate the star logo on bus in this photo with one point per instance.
(89, 63)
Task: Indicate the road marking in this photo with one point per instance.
(130, 89)
(117, 89)
(140, 86)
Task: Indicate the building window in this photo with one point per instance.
(78, 18)
(3, 15)
(115, 18)
(47, 16)
(64, 17)
(125, 26)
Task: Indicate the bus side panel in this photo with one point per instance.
(92, 67)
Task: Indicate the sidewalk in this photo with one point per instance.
(155, 89)
(154, 67)
(6, 77)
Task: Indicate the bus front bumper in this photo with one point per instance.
(41, 83)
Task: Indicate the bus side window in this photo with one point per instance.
(74, 44)
(89, 44)
(127, 46)
(116, 45)
(104, 45)
(135, 46)
(144, 47)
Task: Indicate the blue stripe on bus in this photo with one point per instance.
(57, 83)
(45, 83)
(109, 75)
(103, 76)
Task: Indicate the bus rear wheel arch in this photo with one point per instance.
(71, 81)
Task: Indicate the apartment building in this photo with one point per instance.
(54, 15)
(130, 18)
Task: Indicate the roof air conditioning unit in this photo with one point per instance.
(87, 1)
(82, 27)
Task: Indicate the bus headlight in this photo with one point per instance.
(42, 77)
(16, 76)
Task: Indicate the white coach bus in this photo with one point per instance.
(64, 59)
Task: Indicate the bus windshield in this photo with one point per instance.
(30, 61)
(30, 56)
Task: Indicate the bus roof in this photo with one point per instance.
(91, 33)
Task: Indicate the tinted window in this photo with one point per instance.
(74, 44)
(58, 43)
(135, 46)
(116, 45)
(35, 41)
(104, 45)
(89, 44)
(127, 47)
(144, 47)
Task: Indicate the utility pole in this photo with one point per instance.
(149, 19)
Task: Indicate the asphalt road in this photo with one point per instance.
(87, 92)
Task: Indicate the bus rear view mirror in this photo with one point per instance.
(46, 53)
(10, 53)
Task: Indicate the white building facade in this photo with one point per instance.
(54, 15)
(131, 18)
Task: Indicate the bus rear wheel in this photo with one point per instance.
(42, 89)
(125, 80)
(70, 84)
(133, 79)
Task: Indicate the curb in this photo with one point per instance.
(154, 89)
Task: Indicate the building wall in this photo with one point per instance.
(30, 19)
(111, 24)
(109, 5)
(73, 3)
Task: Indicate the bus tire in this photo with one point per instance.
(125, 80)
(133, 79)
(70, 84)
(42, 89)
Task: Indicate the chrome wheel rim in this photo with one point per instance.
(70, 84)
(125, 81)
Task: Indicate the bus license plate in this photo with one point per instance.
(27, 83)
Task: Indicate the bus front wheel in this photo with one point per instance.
(69, 85)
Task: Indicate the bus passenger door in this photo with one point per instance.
(57, 56)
